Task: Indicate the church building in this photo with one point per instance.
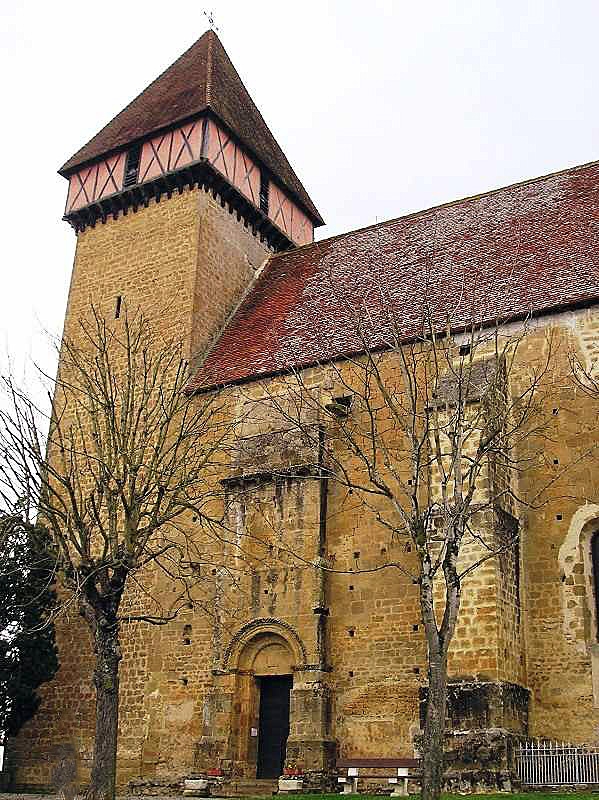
(185, 206)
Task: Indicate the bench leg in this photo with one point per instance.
(351, 787)
(401, 789)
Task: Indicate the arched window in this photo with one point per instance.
(579, 563)
(595, 558)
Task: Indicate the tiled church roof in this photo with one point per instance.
(202, 78)
(525, 249)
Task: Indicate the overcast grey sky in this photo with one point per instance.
(383, 107)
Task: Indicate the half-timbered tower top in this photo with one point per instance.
(195, 124)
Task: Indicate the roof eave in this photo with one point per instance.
(314, 217)
(543, 311)
(69, 167)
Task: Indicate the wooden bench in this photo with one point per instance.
(397, 771)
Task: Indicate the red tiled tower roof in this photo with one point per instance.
(523, 250)
(202, 79)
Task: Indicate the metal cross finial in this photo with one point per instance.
(210, 16)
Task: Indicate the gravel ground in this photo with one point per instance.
(22, 796)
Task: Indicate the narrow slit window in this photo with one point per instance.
(263, 192)
(117, 307)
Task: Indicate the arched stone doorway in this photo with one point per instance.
(263, 651)
(260, 725)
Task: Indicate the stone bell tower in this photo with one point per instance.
(176, 204)
(179, 199)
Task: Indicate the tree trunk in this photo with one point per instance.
(437, 646)
(434, 728)
(106, 680)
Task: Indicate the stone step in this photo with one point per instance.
(247, 787)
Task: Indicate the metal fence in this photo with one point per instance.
(546, 763)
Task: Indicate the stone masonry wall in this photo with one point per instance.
(511, 656)
(227, 258)
(185, 262)
(559, 650)
(518, 622)
(539, 637)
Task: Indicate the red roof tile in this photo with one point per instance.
(202, 78)
(527, 248)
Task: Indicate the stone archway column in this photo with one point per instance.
(310, 746)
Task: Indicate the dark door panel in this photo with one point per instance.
(274, 725)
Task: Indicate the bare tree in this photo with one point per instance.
(124, 481)
(429, 434)
(585, 376)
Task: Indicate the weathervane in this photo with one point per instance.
(210, 16)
